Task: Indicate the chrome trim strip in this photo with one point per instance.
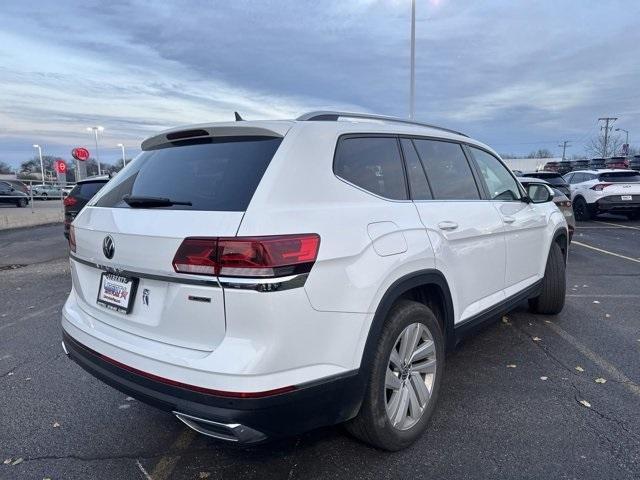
(64, 348)
(238, 283)
(150, 276)
(264, 284)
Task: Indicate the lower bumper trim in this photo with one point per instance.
(229, 432)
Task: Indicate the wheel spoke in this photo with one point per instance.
(428, 366)
(415, 405)
(420, 389)
(410, 338)
(392, 381)
(400, 413)
(395, 360)
(425, 350)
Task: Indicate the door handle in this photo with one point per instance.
(447, 225)
(508, 219)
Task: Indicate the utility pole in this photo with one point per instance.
(606, 129)
(412, 86)
(564, 146)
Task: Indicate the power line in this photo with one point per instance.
(564, 146)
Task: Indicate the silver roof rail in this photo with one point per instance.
(332, 116)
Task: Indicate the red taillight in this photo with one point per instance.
(72, 239)
(70, 201)
(598, 187)
(248, 256)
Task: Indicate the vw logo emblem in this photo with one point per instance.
(108, 247)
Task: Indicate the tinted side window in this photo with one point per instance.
(88, 190)
(417, 179)
(447, 169)
(372, 163)
(500, 183)
(4, 187)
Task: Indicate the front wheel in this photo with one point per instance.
(21, 203)
(551, 298)
(404, 380)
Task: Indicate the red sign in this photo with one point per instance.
(80, 153)
(61, 167)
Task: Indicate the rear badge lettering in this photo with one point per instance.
(145, 297)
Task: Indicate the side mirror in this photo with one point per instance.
(539, 193)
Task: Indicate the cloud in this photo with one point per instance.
(507, 72)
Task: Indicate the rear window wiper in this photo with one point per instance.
(151, 202)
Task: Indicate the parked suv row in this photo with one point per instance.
(262, 278)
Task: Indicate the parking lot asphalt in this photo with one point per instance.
(522, 399)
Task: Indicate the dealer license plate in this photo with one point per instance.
(117, 292)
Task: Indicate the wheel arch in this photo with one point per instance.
(561, 237)
(426, 286)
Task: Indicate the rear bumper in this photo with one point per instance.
(244, 420)
(615, 204)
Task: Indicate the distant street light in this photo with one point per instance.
(95, 131)
(41, 163)
(412, 82)
(123, 159)
(627, 132)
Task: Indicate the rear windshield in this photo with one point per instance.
(219, 174)
(619, 177)
(552, 178)
(86, 190)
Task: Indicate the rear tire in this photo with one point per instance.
(399, 391)
(633, 215)
(551, 298)
(581, 209)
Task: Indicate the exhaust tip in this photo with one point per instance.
(64, 349)
(229, 432)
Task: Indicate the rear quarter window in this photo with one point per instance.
(87, 190)
(218, 174)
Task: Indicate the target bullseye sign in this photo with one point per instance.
(61, 167)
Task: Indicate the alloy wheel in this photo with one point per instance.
(410, 376)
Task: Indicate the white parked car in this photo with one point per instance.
(263, 278)
(605, 191)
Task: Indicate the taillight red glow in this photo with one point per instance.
(598, 187)
(70, 201)
(72, 239)
(271, 256)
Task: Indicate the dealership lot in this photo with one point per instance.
(519, 400)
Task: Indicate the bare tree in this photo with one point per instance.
(5, 168)
(596, 148)
(541, 153)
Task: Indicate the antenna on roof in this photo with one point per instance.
(238, 117)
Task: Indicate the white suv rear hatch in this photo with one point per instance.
(188, 188)
(623, 183)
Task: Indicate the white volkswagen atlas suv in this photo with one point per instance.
(263, 278)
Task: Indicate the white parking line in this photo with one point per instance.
(605, 251)
(619, 225)
(604, 295)
(616, 374)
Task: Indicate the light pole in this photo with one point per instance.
(412, 87)
(95, 131)
(41, 163)
(123, 160)
(627, 132)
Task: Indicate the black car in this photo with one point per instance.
(18, 185)
(79, 196)
(596, 163)
(10, 194)
(634, 162)
(582, 164)
(553, 178)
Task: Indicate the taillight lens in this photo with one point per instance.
(598, 187)
(70, 201)
(273, 256)
(565, 204)
(72, 239)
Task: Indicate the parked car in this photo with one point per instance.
(605, 191)
(634, 162)
(10, 194)
(582, 164)
(564, 167)
(616, 162)
(78, 197)
(552, 178)
(559, 198)
(263, 278)
(551, 166)
(47, 192)
(597, 163)
(18, 185)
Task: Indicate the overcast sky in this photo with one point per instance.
(516, 75)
